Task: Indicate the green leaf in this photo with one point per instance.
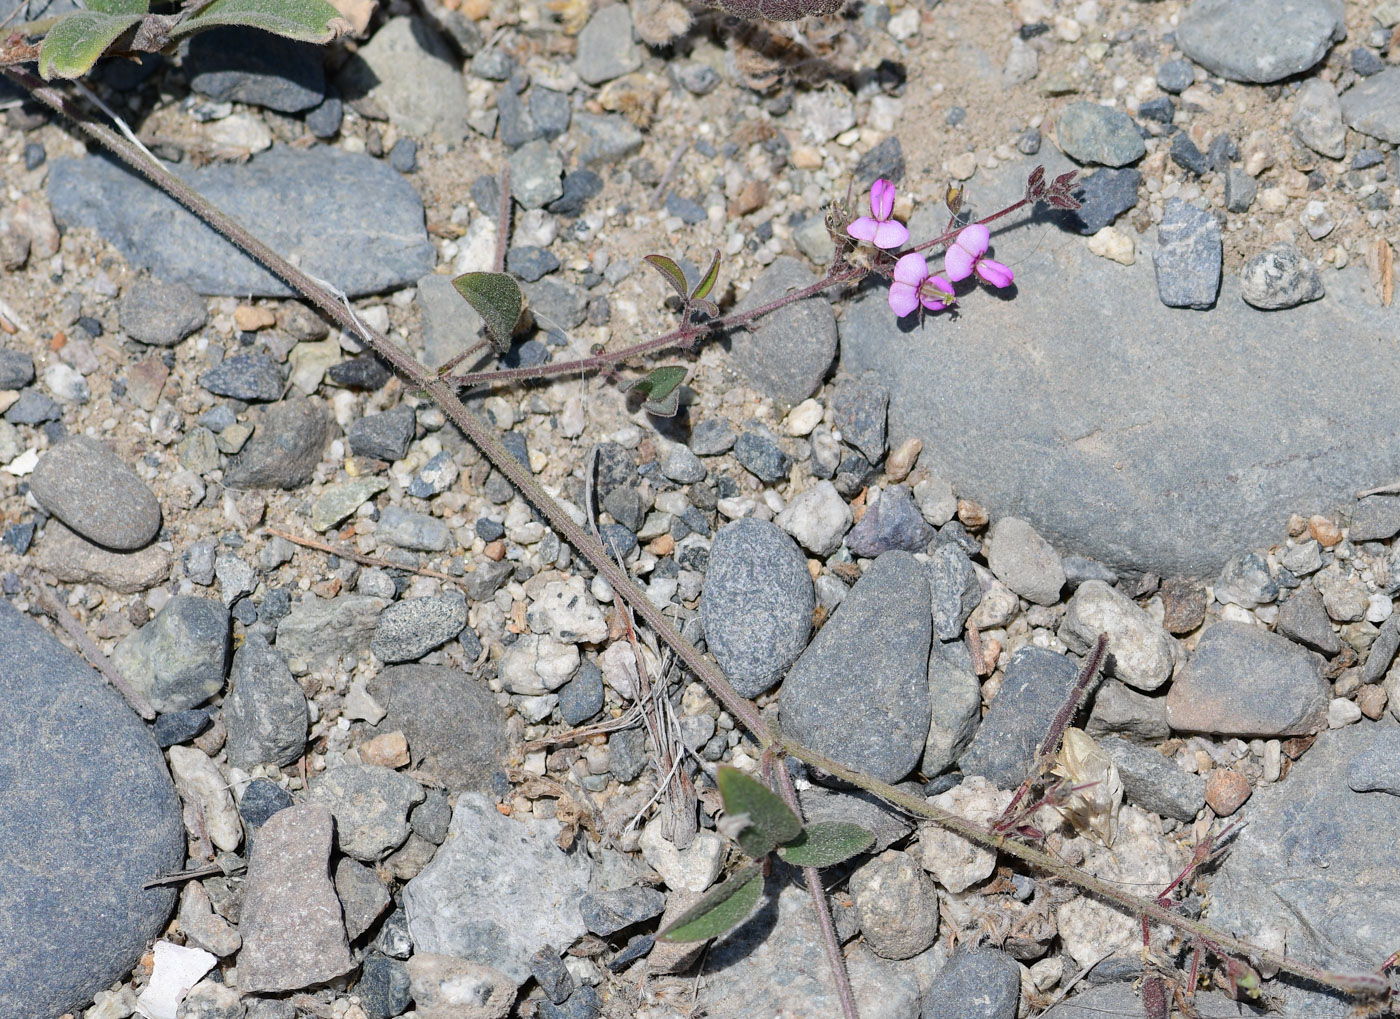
(770, 821)
(660, 386)
(497, 299)
(671, 271)
(720, 909)
(119, 6)
(707, 282)
(308, 20)
(73, 45)
(826, 843)
(667, 408)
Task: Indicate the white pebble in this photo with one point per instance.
(804, 417)
(1342, 712)
(1378, 608)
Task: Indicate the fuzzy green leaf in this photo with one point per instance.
(73, 45)
(497, 299)
(771, 823)
(707, 282)
(307, 20)
(667, 408)
(720, 909)
(671, 271)
(826, 843)
(119, 6)
(661, 387)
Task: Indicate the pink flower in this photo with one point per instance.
(881, 230)
(913, 286)
(966, 256)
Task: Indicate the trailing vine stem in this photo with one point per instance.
(1359, 984)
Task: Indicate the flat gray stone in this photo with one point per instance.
(370, 804)
(956, 700)
(1260, 40)
(456, 731)
(265, 711)
(409, 629)
(1187, 259)
(450, 324)
(96, 494)
(159, 313)
(1149, 447)
(293, 200)
(1092, 133)
(285, 448)
(75, 560)
(605, 47)
(176, 661)
(318, 630)
(1035, 686)
(981, 984)
(1154, 782)
(786, 354)
(409, 71)
(1317, 119)
(1372, 106)
(89, 815)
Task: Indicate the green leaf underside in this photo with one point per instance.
(497, 299)
(770, 821)
(826, 843)
(720, 909)
(666, 408)
(306, 20)
(73, 45)
(707, 282)
(671, 271)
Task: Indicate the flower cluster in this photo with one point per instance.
(912, 283)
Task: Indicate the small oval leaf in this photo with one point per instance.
(670, 270)
(73, 45)
(707, 282)
(826, 843)
(307, 20)
(770, 821)
(720, 909)
(667, 408)
(497, 299)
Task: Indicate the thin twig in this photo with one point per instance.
(181, 876)
(1389, 488)
(360, 557)
(498, 261)
(665, 181)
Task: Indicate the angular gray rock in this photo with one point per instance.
(1120, 711)
(896, 903)
(860, 691)
(318, 630)
(456, 731)
(293, 199)
(409, 629)
(285, 448)
(1260, 40)
(1035, 686)
(1024, 561)
(1303, 618)
(955, 697)
(955, 589)
(605, 47)
(1373, 106)
(1317, 119)
(265, 711)
(1092, 133)
(411, 73)
(1187, 259)
(96, 494)
(177, 660)
(980, 984)
(786, 354)
(370, 804)
(90, 815)
(159, 313)
(1155, 783)
(1280, 277)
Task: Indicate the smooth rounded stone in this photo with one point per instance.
(175, 727)
(536, 174)
(293, 936)
(261, 799)
(566, 610)
(682, 466)
(860, 691)
(712, 437)
(818, 518)
(265, 711)
(581, 698)
(1244, 681)
(1091, 133)
(1260, 40)
(370, 804)
(856, 806)
(894, 522)
(74, 917)
(384, 987)
(531, 262)
(786, 355)
(980, 984)
(757, 603)
(1336, 909)
(955, 589)
(1187, 259)
(250, 377)
(410, 73)
(605, 47)
(1035, 686)
(366, 372)
(96, 494)
(1141, 653)
(456, 731)
(859, 408)
(1154, 782)
(1176, 76)
(956, 863)
(407, 630)
(16, 369)
(447, 987)
(246, 65)
(1303, 618)
(897, 905)
(383, 436)
(1317, 119)
(1119, 710)
(407, 529)
(293, 199)
(956, 700)
(775, 966)
(497, 891)
(285, 448)
(1280, 277)
(606, 913)
(1024, 561)
(1372, 106)
(176, 661)
(160, 314)
(1377, 768)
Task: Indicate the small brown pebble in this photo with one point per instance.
(1297, 746)
(751, 198)
(1326, 532)
(1183, 605)
(495, 550)
(903, 459)
(59, 341)
(388, 750)
(1371, 700)
(327, 588)
(971, 514)
(1297, 525)
(991, 652)
(662, 546)
(249, 318)
(1226, 791)
(1204, 763)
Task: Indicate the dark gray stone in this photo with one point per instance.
(436, 476)
(627, 754)
(760, 455)
(248, 65)
(403, 157)
(712, 437)
(885, 160)
(1382, 651)
(956, 699)
(1091, 133)
(557, 304)
(552, 975)
(551, 111)
(1106, 195)
(894, 522)
(980, 984)
(606, 913)
(1304, 619)
(1375, 518)
(860, 691)
(1121, 710)
(1280, 278)
(618, 540)
(16, 369)
(584, 1003)
(757, 603)
(579, 187)
(409, 629)
(1365, 63)
(383, 987)
(175, 727)
(1176, 76)
(261, 799)
(363, 897)
(856, 806)
(537, 174)
(687, 210)
(176, 661)
(292, 199)
(484, 581)
(1240, 189)
(456, 731)
(265, 711)
(324, 121)
(431, 817)
(1187, 259)
(90, 816)
(581, 698)
(96, 494)
(33, 408)
(1186, 155)
(531, 262)
(515, 126)
(1259, 40)
(160, 313)
(285, 448)
(1154, 782)
(1159, 108)
(1246, 581)
(858, 408)
(955, 588)
(1035, 687)
(249, 377)
(786, 355)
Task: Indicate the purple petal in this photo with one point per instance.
(911, 270)
(882, 198)
(932, 302)
(903, 299)
(958, 262)
(863, 229)
(891, 233)
(995, 273)
(974, 239)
